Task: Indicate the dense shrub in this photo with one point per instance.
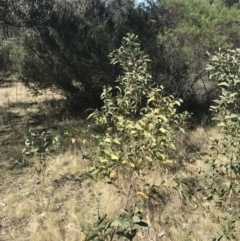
(69, 42)
(11, 55)
(136, 138)
(68, 49)
(192, 28)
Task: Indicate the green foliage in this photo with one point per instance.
(192, 28)
(139, 125)
(11, 54)
(39, 145)
(139, 122)
(224, 158)
(67, 52)
(129, 222)
(68, 49)
(102, 229)
(67, 42)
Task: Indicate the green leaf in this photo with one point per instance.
(149, 158)
(107, 152)
(124, 223)
(162, 130)
(92, 237)
(167, 161)
(231, 116)
(227, 184)
(116, 141)
(133, 132)
(172, 146)
(132, 164)
(178, 102)
(163, 118)
(103, 160)
(173, 183)
(141, 224)
(147, 134)
(209, 67)
(136, 219)
(114, 157)
(94, 172)
(107, 140)
(115, 223)
(137, 126)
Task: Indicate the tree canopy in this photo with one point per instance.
(66, 43)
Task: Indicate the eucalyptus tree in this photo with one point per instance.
(193, 27)
(68, 42)
(67, 49)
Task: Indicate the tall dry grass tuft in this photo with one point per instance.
(46, 227)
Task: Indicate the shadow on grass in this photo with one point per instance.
(17, 118)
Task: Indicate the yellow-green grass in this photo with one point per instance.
(57, 203)
(55, 208)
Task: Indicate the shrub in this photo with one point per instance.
(11, 54)
(135, 135)
(139, 124)
(224, 160)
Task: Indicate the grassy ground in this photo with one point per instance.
(55, 204)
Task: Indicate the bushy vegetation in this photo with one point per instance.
(135, 134)
(197, 26)
(224, 158)
(67, 44)
(135, 137)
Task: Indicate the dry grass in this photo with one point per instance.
(54, 207)
(20, 111)
(15, 92)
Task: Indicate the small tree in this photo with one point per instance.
(139, 124)
(139, 121)
(224, 159)
(193, 27)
